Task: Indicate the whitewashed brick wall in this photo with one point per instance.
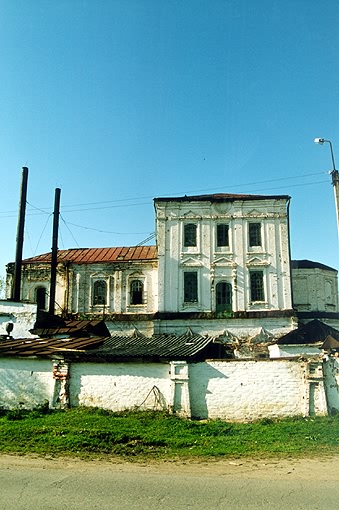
(25, 383)
(247, 390)
(120, 386)
(230, 390)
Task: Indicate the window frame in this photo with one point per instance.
(223, 231)
(254, 234)
(257, 287)
(190, 235)
(133, 293)
(100, 282)
(191, 287)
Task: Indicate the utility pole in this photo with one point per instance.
(20, 236)
(335, 177)
(54, 261)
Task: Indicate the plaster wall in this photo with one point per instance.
(315, 290)
(120, 386)
(25, 383)
(21, 315)
(231, 263)
(247, 390)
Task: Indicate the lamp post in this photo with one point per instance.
(334, 174)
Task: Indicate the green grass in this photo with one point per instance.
(86, 432)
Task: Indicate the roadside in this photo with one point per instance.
(315, 468)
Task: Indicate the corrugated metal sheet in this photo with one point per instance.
(38, 347)
(169, 347)
(91, 255)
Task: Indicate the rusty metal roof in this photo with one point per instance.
(221, 197)
(46, 347)
(73, 328)
(158, 347)
(92, 255)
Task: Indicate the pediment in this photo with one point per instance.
(255, 212)
(191, 214)
(257, 261)
(191, 261)
(224, 261)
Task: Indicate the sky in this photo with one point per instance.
(116, 102)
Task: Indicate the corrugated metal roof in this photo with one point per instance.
(42, 347)
(169, 347)
(221, 197)
(92, 255)
(166, 346)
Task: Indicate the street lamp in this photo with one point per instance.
(334, 174)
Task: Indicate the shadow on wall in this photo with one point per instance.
(331, 377)
(200, 375)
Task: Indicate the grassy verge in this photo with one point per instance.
(153, 435)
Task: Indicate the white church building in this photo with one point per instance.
(221, 266)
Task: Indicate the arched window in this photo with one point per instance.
(99, 292)
(136, 294)
(41, 298)
(223, 297)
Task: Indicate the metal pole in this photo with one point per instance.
(54, 251)
(20, 236)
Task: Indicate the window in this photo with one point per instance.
(222, 235)
(190, 287)
(254, 234)
(99, 292)
(223, 293)
(257, 286)
(40, 297)
(136, 294)
(190, 234)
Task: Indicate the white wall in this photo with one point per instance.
(119, 386)
(315, 289)
(230, 263)
(247, 390)
(25, 383)
(230, 390)
(21, 315)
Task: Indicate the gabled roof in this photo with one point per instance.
(309, 264)
(221, 197)
(311, 333)
(92, 255)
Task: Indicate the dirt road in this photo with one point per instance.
(34, 483)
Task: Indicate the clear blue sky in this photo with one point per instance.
(120, 101)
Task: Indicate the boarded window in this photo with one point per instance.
(190, 287)
(222, 235)
(254, 234)
(99, 292)
(136, 294)
(190, 234)
(257, 286)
